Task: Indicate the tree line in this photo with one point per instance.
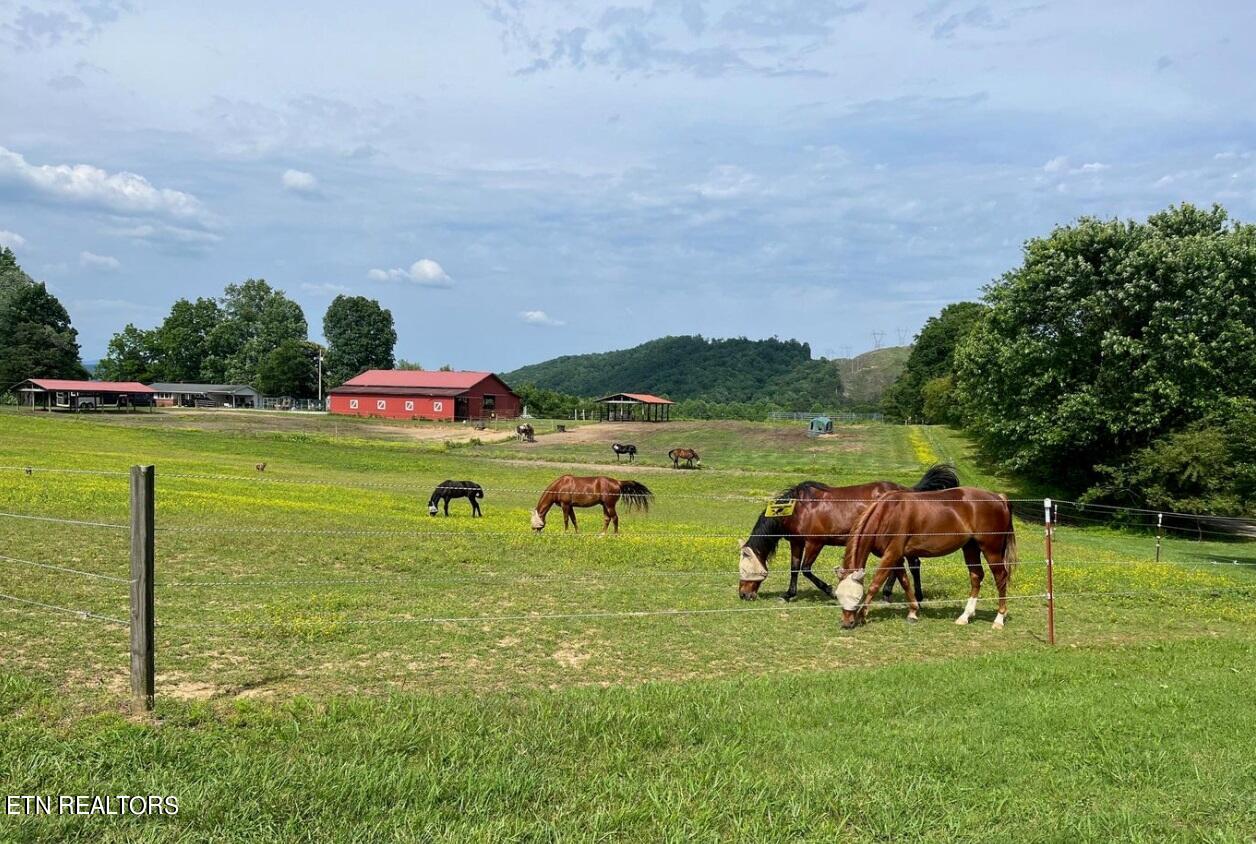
(1117, 362)
(253, 334)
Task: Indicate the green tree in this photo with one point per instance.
(1110, 336)
(255, 319)
(412, 365)
(12, 277)
(931, 358)
(360, 336)
(287, 370)
(36, 338)
(132, 356)
(184, 346)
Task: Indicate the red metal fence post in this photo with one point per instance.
(1048, 529)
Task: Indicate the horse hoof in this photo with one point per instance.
(963, 619)
(998, 625)
(787, 598)
(911, 619)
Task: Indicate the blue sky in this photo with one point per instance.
(518, 180)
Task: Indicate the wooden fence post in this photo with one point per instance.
(1048, 524)
(142, 556)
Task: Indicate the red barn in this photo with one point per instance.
(419, 394)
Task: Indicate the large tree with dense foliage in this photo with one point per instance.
(360, 336)
(289, 370)
(922, 392)
(131, 356)
(36, 337)
(188, 345)
(1111, 338)
(210, 340)
(256, 319)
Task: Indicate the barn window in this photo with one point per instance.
(490, 403)
(381, 404)
(438, 406)
(353, 404)
(409, 405)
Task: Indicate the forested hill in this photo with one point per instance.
(693, 367)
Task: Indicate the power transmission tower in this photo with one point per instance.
(902, 336)
(877, 337)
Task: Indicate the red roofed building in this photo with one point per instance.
(633, 407)
(65, 394)
(419, 394)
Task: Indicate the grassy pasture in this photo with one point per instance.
(327, 652)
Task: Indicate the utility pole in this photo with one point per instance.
(320, 379)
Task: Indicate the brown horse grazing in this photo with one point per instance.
(929, 524)
(569, 492)
(686, 454)
(812, 515)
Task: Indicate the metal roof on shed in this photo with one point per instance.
(644, 398)
(90, 386)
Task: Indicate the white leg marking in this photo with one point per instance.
(969, 609)
(998, 621)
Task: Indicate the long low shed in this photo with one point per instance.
(419, 394)
(67, 394)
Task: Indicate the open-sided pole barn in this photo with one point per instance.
(634, 407)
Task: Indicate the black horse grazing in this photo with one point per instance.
(446, 490)
(621, 449)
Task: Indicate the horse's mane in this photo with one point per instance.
(768, 530)
(861, 533)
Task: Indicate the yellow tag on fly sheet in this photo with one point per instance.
(779, 508)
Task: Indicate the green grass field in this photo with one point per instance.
(334, 664)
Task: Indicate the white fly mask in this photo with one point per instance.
(850, 592)
(537, 522)
(752, 567)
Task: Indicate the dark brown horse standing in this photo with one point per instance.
(930, 524)
(569, 492)
(812, 515)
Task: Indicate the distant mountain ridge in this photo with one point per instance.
(781, 372)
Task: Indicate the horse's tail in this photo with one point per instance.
(939, 476)
(635, 495)
(671, 455)
(1010, 557)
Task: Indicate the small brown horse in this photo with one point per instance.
(569, 492)
(812, 515)
(686, 454)
(930, 524)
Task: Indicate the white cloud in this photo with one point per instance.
(1093, 167)
(83, 184)
(99, 262)
(1056, 164)
(12, 240)
(539, 318)
(299, 181)
(324, 288)
(725, 182)
(166, 234)
(424, 271)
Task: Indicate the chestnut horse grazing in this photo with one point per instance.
(929, 524)
(570, 492)
(686, 454)
(812, 515)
